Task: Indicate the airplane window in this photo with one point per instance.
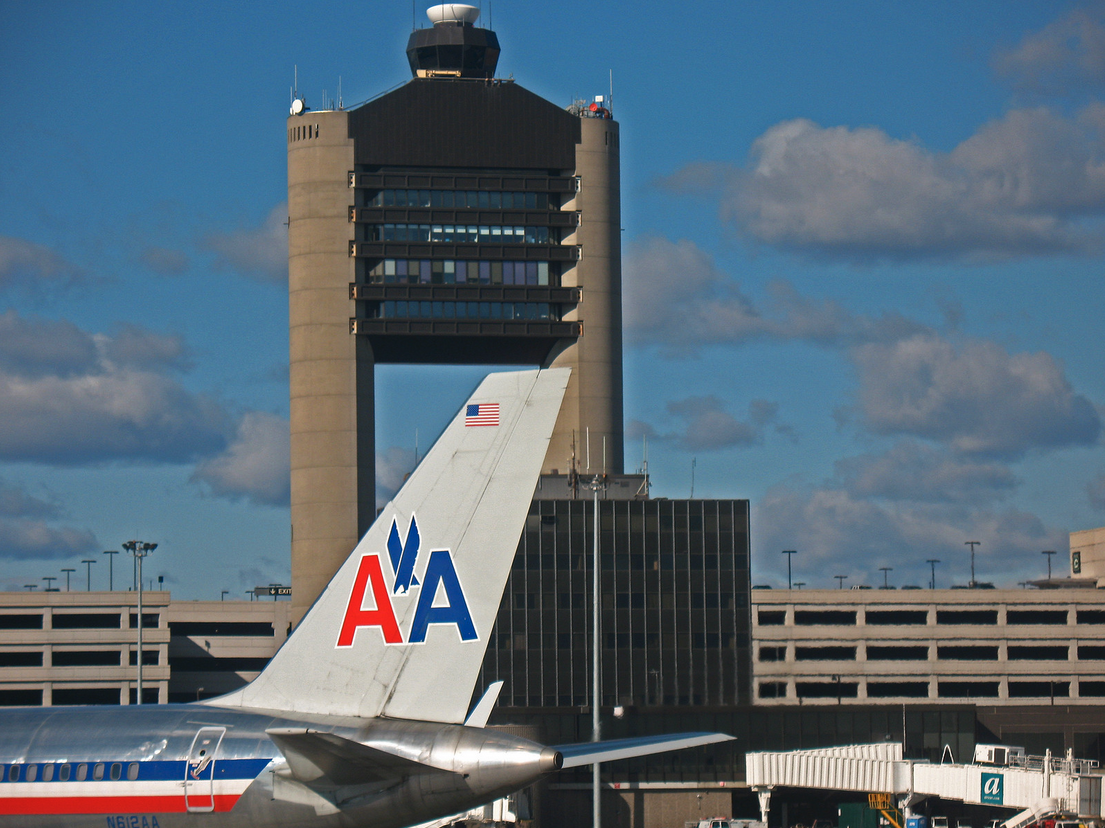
(132, 771)
(116, 771)
(47, 773)
(98, 771)
(13, 773)
(32, 773)
(63, 775)
(82, 772)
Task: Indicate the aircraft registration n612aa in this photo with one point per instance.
(362, 717)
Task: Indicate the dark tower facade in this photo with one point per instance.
(456, 220)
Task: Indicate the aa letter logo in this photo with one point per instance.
(992, 793)
(440, 598)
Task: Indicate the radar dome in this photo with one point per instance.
(453, 13)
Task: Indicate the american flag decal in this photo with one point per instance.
(482, 414)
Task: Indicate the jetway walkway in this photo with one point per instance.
(1032, 786)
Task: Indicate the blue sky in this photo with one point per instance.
(862, 273)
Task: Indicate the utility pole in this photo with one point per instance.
(972, 544)
(789, 553)
(111, 568)
(932, 562)
(1049, 553)
(139, 549)
(88, 571)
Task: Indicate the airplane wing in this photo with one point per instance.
(588, 753)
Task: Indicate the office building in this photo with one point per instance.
(458, 219)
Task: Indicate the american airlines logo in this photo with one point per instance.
(440, 596)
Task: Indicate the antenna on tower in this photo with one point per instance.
(341, 105)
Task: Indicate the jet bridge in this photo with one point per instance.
(1032, 786)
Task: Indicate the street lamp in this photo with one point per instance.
(139, 549)
(972, 544)
(885, 570)
(789, 553)
(222, 597)
(111, 569)
(932, 562)
(1049, 553)
(840, 579)
(49, 579)
(88, 567)
(68, 572)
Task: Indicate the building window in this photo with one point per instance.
(1038, 653)
(773, 690)
(827, 689)
(971, 617)
(967, 689)
(896, 618)
(1036, 616)
(967, 653)
(897, 653)
(897, 689)
(817, 618)
(824, 653)
(1039, 689)
(773, 653)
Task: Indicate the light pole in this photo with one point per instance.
(30, 587)
(88, 569)
(972, 544)
(49, 579)
(1049, 553)
(222, 597)
(139, 549)
(799, 584)
(789, 553)
(68, 572)
(885, 570)
(932, 562)
(840, 579)
(111, 569)
(596, 484)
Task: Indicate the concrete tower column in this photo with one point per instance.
(594, 397)
(328, 449)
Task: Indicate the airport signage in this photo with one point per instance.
(273, 590)
(992, 789)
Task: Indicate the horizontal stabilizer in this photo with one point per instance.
(482, 711)
(589, 753)
(322, 758)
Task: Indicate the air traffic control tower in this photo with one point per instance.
(458, 219)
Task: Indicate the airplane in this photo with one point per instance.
(362, 717)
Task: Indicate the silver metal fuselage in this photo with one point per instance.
(192, 764)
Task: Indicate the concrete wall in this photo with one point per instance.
(1087, 554)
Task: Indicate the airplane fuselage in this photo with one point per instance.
(166, 766)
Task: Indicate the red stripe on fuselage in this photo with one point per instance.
(48, 805)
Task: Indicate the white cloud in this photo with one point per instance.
(37, 540)
(69, 398)
(393, 466)
(678, 300)
(975, 397)
(918, 472)
(836, 532)
(164, 261)
(1019, 186)
(260, 252)
(23, 262)
(255, 466)
(1066, 55)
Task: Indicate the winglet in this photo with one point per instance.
(402, 628)
(482, 711)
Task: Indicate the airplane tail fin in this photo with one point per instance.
(401, 629)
